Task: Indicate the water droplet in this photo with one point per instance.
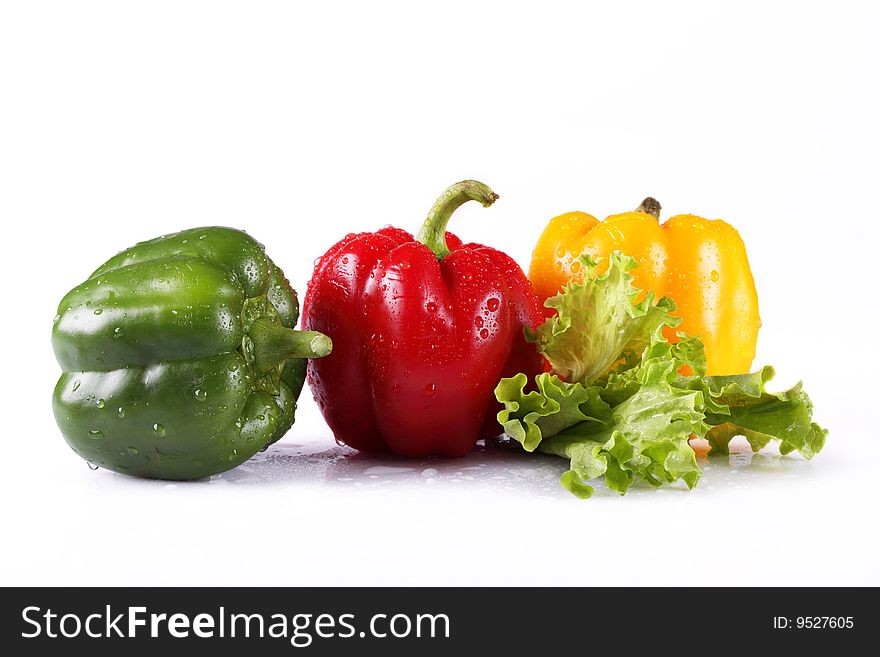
(95, 434)
(201, 395)
(493, 304)
(132, 450)
(345, 260)
(100, 403)
(117, 332)
(120, 412)
(575, 267)
(98, 311)
(91, 465)
(429, 472)
(159, 429)
(484, 333)
(395, 387)
(478, 322)
(714, 276)
(76, 385)
(431, 307)
(431, 390)
(232, 367)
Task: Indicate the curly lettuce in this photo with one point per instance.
(616, 404)
(742, 406)
(551, 408)
(582, 344)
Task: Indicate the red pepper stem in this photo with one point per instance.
(433, 232)
(273, 344)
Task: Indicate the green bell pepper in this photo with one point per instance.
(179, 356)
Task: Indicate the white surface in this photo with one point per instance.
(301, 122)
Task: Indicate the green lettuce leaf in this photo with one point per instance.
(741, 405)
(643, 436)
(616, 403)
(624, 381)
(646, 438)
(598, 324)
(554, 406)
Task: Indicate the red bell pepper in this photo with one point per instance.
(423, 329)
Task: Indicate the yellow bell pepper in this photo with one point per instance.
(701, 264)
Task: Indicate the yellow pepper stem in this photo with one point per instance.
(650, 206)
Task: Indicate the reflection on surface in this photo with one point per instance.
(499, 466)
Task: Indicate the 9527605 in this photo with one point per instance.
(813, 622)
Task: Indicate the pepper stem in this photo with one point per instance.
(433, 232)
(273, 344)
(650, 206)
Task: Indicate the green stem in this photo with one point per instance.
(650, 206)
(433, 233)
(273, 344)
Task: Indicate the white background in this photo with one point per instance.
(301, 122)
